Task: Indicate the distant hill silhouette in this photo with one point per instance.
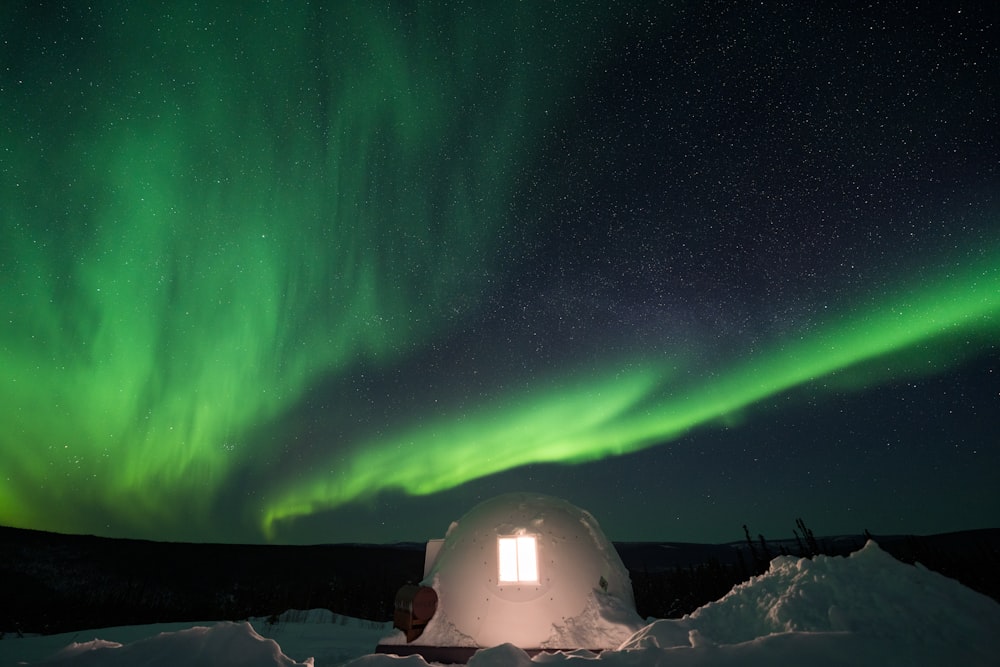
(58, 583)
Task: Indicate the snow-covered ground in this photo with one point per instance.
(866, 609)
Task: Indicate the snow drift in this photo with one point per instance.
(867, 606)
(221, 644)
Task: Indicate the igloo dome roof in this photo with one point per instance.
(532, 570)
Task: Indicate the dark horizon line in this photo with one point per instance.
(420, 544)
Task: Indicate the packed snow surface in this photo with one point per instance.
(865, 609)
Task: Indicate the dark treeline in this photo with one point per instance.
(56, 583)
(59, 583)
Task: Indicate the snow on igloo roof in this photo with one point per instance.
(568, 587)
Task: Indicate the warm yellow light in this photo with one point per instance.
(508, 558)
(518, 559)
(527, 559)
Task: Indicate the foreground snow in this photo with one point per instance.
(318, 635)
(866, 609)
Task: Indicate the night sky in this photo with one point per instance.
(330, 272)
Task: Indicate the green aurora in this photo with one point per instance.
(228, 229)
(580, 419)
(208, 217)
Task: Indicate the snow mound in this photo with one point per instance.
(306, 616)
(221, 644)
(868, 598)
(312, 617)
(504, 655)
(327, 637)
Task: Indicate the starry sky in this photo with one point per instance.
(309, 272)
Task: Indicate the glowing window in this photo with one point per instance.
(518, 558)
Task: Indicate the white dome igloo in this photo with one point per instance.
(564, 585)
